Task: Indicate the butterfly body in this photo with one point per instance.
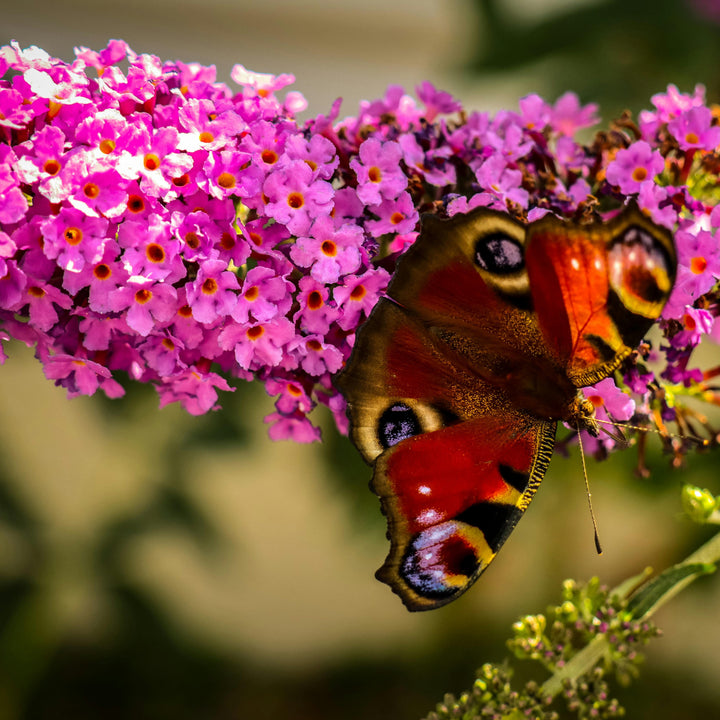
(459, 377)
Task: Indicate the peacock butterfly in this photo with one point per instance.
(460, 375)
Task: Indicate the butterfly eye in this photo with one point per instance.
(639, 271)
(499, 253)
(443, 560)
(397, 423)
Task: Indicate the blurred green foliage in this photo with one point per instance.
(611, 52)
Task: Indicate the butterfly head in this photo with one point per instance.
(581, 414)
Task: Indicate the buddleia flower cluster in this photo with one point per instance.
(588, 613)
(161, 226)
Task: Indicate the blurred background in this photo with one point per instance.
(156, 565)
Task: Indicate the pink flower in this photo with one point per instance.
(394, 216)
(694, 129)
(212, 295)
(296, 198)
(329, 252)
(74, 239)
(258, 345)
(634, 166)
(146, 303)
(378, 171)
(264, 295)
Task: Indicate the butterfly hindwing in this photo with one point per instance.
(452, 497)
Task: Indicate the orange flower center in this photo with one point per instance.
(295, 200)
(315, 301)
(135, 204)
(151, 161)
(358, 292)
(106, 146)
(227, 241)
(102, 271)
(329, 248)
(52, 167)
(698, 265)
(91, 190)
(226, 180)
(374, 174)
(639, 174)
(73, 236)
(155, 253)
(254, 333)
(252, 293)
(142, 296)
(210, 286)
(269, 157)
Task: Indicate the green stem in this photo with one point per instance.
(666, 586)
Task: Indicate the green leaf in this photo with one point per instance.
(648, 598)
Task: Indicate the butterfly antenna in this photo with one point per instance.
(598, 547)
(619, 425)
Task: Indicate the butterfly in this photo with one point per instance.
(459, 377)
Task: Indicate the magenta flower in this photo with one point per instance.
(79, 375)
(568, 116)
(292, 427)
(264, 295)
(295, 197)
(101, 194)
(378, 171)
(694, 129)
(315, 356)
(194, 391)
(74, 238)
(634, 166)
(394, 216)
(212, 295)
(315, 314)
(329, 252)
(258, 345)
(357, 296)
(146, 303)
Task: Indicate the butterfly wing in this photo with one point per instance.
(456, 460)
(598, 288)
